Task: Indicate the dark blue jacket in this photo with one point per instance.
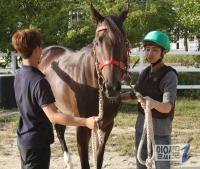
(32, 91)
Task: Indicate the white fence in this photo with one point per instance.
(179, 69)
(140, 52)
(139, 68)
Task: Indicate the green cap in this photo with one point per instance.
(159, 38)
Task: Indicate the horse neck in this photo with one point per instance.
(89, 70)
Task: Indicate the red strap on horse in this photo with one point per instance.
(112, 62)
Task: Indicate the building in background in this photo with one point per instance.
(193, 44)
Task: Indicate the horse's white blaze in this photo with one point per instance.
(67, 160)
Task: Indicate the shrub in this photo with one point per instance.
(184, 60)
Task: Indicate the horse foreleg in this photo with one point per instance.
(60, 130)
(83, 137)
(105, 134)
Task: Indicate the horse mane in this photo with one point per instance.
(84, 49)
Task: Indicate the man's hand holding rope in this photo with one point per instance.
(147, 102)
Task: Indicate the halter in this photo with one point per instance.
(124, 66)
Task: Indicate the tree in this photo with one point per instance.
(8, 23)
(48, 16)
(188, 19)
(145, 16)
(69, 22)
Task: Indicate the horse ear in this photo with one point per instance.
(96, 15)
(124, 13)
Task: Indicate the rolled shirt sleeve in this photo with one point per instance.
(168, 86)
(43, 93)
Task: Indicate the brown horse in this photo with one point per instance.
(73, 77)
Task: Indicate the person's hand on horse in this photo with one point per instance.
(91, 122)
(147, 102)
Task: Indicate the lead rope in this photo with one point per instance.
(96, 133)
(147, 130)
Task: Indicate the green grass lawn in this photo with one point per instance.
(186, 124)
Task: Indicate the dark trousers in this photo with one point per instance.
(37, 158)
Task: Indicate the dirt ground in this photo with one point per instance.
(112, 160)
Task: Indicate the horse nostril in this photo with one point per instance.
(107, 86)
(112, 89)
(118, 88)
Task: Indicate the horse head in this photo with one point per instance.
(111, 51)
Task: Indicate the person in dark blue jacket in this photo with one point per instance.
(35, 102)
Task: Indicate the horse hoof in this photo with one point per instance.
(67, 160)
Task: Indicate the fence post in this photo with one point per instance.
(13, 63)
(141, 65)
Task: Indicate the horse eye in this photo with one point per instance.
(126, 44)
(96, 43)
(99, 41)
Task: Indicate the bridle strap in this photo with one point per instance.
(112, 62)
(123, 66)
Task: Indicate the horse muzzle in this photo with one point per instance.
(112, 91)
